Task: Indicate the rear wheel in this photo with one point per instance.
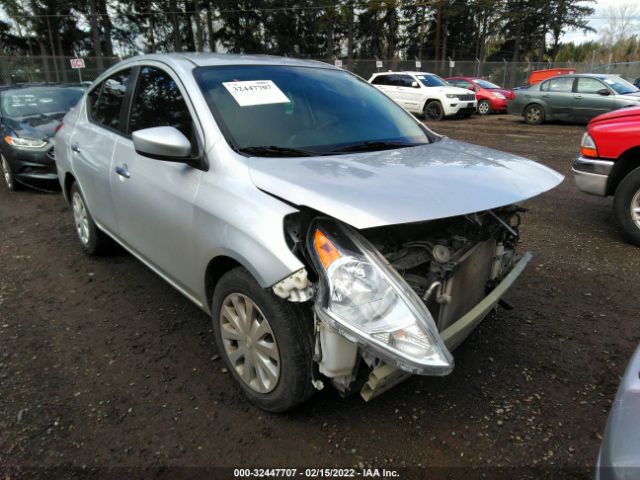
(93, 240)
(433, 110)
(266, 342)
(484, 107)
(8, 174)
(534, 114)
(627, 206)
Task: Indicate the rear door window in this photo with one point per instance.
(559, 85)
(381, 80)
(106, 100)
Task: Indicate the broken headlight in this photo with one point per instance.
(366, 300)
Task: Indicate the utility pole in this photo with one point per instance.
(438, 23)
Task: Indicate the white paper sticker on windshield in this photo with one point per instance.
(255, 92)
(609, 81)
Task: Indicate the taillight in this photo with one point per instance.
(60, 125)
(588, 147)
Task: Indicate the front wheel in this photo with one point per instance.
(433, 110)
(8, 175)
(266, 342)
(534, 115)
(627, 207)
(484, 107)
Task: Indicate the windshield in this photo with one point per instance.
(485, 84)
(26, 102)
(304, 110)
(431, 80)
(620, 85)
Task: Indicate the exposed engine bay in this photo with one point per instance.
(451, 265)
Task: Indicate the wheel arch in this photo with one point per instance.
(69, 180)
(626, 163)
(431, 99)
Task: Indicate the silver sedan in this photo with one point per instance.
(333, 238)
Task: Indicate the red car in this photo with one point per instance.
(491, 97)
(609, 164)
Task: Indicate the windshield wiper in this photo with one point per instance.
(372, 146)
(275, 151)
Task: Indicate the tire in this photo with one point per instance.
(93, 240)
(484, 107)
(288, 327)
(433, 110)
(627, 198)
(534, 114)
(8, 175)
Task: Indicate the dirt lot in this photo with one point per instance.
(104, 364)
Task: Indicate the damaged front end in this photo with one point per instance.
(393, 301)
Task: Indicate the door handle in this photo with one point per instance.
(578, 96)
(75, 148)
(122, 171)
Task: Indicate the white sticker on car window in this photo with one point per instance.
(255, 92)
(609, 81)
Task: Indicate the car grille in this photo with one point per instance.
(467, 98)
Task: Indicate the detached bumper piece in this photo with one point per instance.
(591, 175)
(385, 377)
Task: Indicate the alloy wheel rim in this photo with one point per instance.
(249, 343)
(7, 173)
(533, 114)
(80, 218)
(433, 112)
(635, 209)
(483, 108)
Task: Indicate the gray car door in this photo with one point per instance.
(589, 100)
(154, 199)
(557, 95)
(93, 142)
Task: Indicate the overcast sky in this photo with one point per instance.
(597, 22)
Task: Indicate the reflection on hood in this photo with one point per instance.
(41, 125)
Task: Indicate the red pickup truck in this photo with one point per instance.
(609, 164)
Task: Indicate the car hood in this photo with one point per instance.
(507, 93)
(629, 113)
(452, 90)
(443, 179)
(40, 126)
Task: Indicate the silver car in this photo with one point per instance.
(333, 238)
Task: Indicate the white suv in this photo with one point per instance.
(426, 94)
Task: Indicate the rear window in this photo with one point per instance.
(28, 102)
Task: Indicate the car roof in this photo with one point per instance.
(24, 86)
(403, 73)
(199, 59)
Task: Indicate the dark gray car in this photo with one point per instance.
(573, 98)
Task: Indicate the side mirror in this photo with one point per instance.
(475, 89)
(604, 91)
(415, 84)
(164, 143)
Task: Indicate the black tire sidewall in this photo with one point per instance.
(438, 104)
(293, 332)
(625, 192)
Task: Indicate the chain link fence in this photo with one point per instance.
(17, 69)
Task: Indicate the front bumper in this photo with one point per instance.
(454, 106)
(384, 377)
(499, 105)
(37, 165)
(592, 175)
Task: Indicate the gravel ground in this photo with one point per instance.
(102, 364)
